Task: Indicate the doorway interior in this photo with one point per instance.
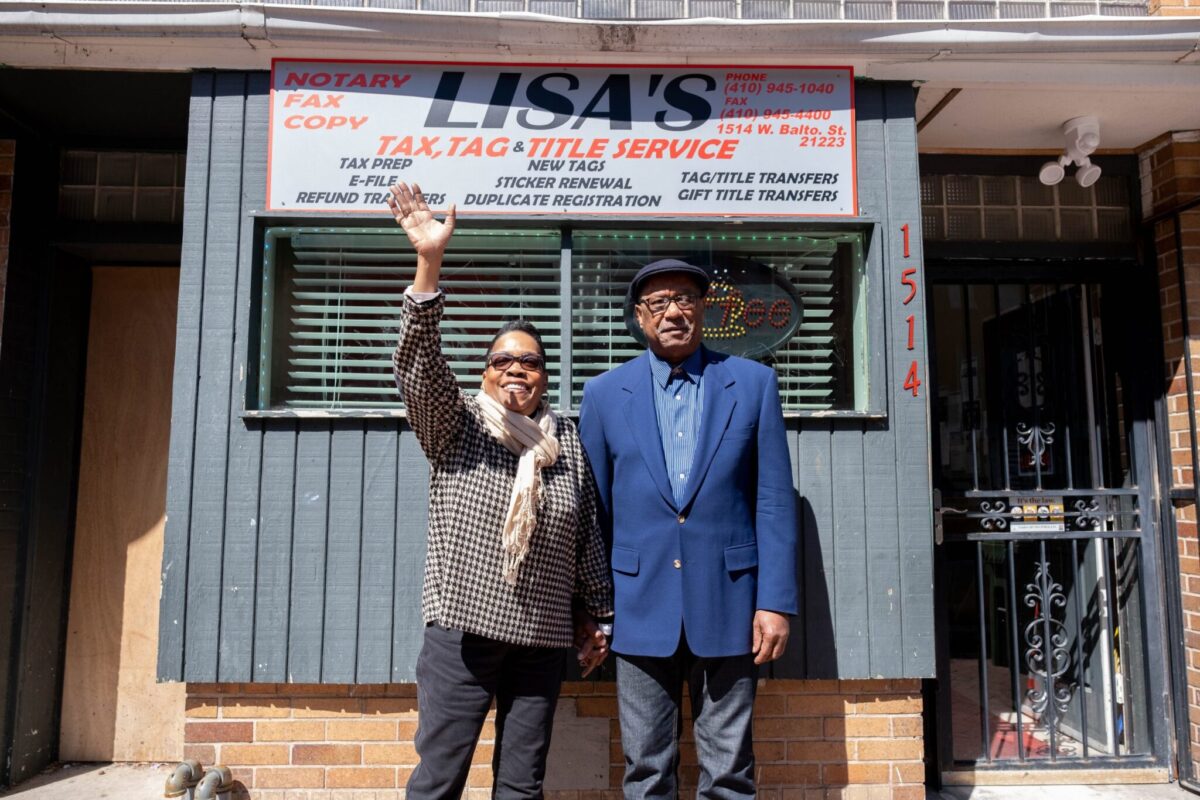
(1047, 560)
(71, 214)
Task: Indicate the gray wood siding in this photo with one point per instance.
(909, 415)
(294, 547)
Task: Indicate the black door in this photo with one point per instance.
(1042, 468)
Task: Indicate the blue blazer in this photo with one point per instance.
(733, 538)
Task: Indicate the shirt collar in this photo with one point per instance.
(693, 367)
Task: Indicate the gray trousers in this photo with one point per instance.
(458, 675)
(649, 696)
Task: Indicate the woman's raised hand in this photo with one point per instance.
(408, 206)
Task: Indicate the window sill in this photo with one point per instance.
(392, 413)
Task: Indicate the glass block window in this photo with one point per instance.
(1011, 208)
(121, 186)
(331, 298)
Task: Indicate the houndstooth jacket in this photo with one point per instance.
(470, 483)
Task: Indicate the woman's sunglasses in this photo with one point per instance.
(531, 361)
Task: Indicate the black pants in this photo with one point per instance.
(458, 675)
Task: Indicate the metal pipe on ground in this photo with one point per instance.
(184, 779)
(216, 784)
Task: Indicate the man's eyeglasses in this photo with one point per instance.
(531, 361)
(659, 305)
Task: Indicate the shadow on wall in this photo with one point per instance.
(814, 648)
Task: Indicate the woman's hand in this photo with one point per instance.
(591, 643)
(408, 206)
(428, 236)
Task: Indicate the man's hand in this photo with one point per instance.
(428, 236)
(591, 643)
(770, 635)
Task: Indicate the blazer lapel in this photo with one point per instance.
(718, 408)
(643, 424)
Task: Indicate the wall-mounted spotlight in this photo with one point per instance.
(1083, 137)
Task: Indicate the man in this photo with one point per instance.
(691, 462)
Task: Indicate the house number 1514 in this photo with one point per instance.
(912, 379)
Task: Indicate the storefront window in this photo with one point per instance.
(331, 298)
(794, 301)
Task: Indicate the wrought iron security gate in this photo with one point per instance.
(1045, 525)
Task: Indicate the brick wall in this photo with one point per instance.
(1175, 8)
(815, 740)
(1170, 170)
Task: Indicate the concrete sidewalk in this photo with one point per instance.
(145, 782)
(94, 782)
(1133, 792)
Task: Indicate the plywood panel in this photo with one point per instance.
(112, 707)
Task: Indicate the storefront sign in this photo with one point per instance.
(555, 139)
(750, 310)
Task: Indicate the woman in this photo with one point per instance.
(513, 539)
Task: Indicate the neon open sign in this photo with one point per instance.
(750, 310)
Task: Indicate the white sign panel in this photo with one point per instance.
(554, 139)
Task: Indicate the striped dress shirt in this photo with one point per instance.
(679, 403)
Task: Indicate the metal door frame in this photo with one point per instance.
(1145, 386)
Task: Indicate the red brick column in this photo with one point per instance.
(1170, 168)
(815, 740)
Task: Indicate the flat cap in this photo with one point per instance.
(665, 266)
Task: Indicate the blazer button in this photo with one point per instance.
(677, 564)
(681, 519)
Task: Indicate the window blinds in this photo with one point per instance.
(331, 299)
(817, 368)
(336, 297)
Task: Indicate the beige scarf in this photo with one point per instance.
(534, 442)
